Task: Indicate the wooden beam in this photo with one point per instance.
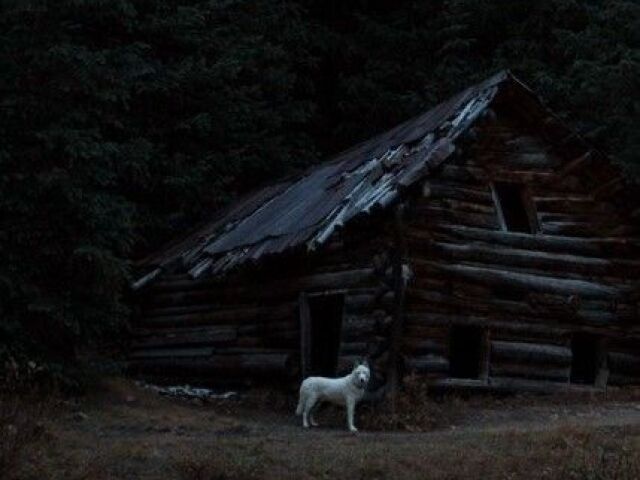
(521, 352)
(149, 338)
(535, 260)
(525, 281)
(576, 164)
(458, 192)
(550, 243)
(172, 352)
(426, 364)
(305, 335)
(190, 292)
(608, 188)
(146, 280)
(538, 372)
(225, 365)
(432, 215)
(399, 286)
(224, 316)
(624, 363)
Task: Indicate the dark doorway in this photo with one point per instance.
(467, 352)
(321, 326)
(584, 361)
(514, 208)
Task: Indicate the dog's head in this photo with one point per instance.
(361, 374)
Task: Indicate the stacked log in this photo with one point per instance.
(251, 364)
(624, 368)
(530, 360)
(532, 291)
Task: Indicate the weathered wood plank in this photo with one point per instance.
(227, 316)
(429, 319)
(585, 229)
(305, 334)
(561, 244)
(211, 292)
(247, 365)
(426, 364)
(619, 379)
(536, 260)
(624, 363)
(172, 352)
(572, 204)
(540, 372)
(148, 338)
(439, 189)
(431, 215)
(520, 352)
(421, 347)
(203, 307)
(526, 281)
(462, 206)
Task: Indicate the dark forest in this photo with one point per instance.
(126, 122)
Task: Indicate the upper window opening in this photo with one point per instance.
(515, 211)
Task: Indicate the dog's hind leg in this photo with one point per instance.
(308, 406)
(300, 406)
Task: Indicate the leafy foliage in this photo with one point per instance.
(124, 122)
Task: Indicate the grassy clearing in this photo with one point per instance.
(561, 454)
(121, 432)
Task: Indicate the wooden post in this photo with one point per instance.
(305, 335)
(398, 256)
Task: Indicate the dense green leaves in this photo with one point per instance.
(124, 122)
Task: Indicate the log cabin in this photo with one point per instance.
(483, 244)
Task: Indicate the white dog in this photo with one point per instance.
(347, 391)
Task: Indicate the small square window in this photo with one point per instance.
(586, 358)
(468, 355)
(515, 209)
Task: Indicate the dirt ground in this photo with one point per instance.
(123, 431)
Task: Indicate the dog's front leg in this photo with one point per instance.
(312, 412)
(351, 406)
(305, 418)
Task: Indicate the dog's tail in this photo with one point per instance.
(301, 399)
(300, 406)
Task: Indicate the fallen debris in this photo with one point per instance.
(188, 392)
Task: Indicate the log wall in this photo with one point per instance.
(246, 325)
(532, 292)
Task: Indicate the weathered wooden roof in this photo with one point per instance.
(305, 211)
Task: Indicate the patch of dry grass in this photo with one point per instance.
(245, 462)
(566, 453)
(601, 457)
(21, 430)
